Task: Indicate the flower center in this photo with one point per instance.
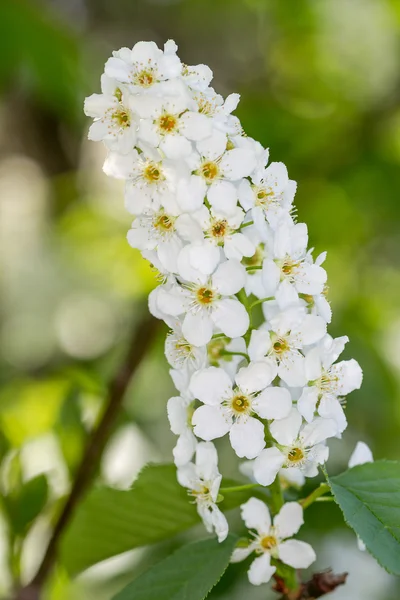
(205, 296)
(164, 223)
(295, 455)
(268, 542)
(209, 170)
(205, 107)
(145, 78)
(219, 229)
(280, 346)
(121, 118)
(153, 173)
(263, 196)
(167, 123)
(240, 404)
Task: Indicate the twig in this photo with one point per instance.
(140, 342)
(319, 585)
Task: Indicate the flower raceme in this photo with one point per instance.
(217, 220)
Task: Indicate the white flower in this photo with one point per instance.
(328, 382)
(207, 305)
(289, 261)
(215, 170)
(203, 480)
(180, 353)
(223, 230)
(229, 408)
(145, 67)
(291, 331)
(216, 109)
(270, 194)
(298, 446)
(180, 411)
(114, 122)
(170, 125)
(270, 540)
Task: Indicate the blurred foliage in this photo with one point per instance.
(320, 86)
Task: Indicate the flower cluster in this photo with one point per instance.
(216, 219)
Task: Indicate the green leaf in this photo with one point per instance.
(369, 496)
(25, 505)
(188, 574)
(109, 521)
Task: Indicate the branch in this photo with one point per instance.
(140, 342)
(319, 585)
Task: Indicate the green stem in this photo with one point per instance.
(255, 268)
(227, 353)
(238, 488)
(315, 496)
(246, 224)
(277, 499)
(242, 297)
(253, 304)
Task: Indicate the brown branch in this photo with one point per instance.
(140, 342)
(319, 585)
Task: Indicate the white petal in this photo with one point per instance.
(222, 196)
(285, 431)
(291, 370)
(255, 515)
(260, 570)
(172, 302)
(289, 519)
(197, 329)
(207, 461)
(260, 343)
(231, 317)
(361, 455)
(190, 193)
(270, 277)
(177, 414)
(211, 385)
(195, 126)
(237, 163)
(310, 279)
(213, 146)
(187, 476)
(318, 431)
(310, 330)
(246, 195)
(204, 257)
(240, 554)
(238, 245)
(247, 439)
(273, 403)
(176, 146)
(98, 131)
(267, 465)
(256, 376)
(307, 403)
(296, 554)
(313, 364)
(219, 523)
(209, 422)
(229, 278)
(184, 448)
(350, 376)
(330, 408)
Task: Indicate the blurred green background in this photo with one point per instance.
(320, 86)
